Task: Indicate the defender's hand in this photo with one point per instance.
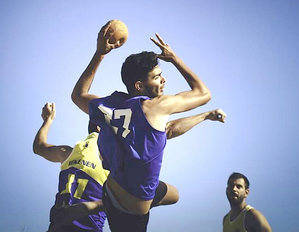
(103, 45)
(167, 53)
(48, 112)
(217, 115)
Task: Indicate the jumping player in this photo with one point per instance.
(80, 180)
(242, 217)
(133, 130)
(66, 214)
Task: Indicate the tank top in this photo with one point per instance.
(236, 225)
(81, 179)
(131, 148)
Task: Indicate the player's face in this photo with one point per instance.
(154, 85)
(236, 192)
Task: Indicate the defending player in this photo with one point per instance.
(64, 212)
(80, 180)
(242, 217)
(133, 130)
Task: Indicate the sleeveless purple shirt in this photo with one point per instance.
(131, 148)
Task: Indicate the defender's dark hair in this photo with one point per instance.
(136, 68)
(92, 127)
(237, 175)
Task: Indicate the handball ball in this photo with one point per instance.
(119, 32)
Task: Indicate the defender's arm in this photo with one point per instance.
(40, 145)
(182, 125)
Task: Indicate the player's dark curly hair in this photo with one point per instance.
(136, 68)
(237, 175)
(92, 127)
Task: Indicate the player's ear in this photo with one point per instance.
(98, 129)
(138, 86)
(247, 191)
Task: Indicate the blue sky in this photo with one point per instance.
(245, 51)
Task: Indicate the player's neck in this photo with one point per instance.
(236, 209)
(135, 94)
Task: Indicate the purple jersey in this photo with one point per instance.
(131, 148)
(81, 179)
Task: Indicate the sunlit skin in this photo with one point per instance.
(154, 85)
(237, 193)
(155, 82)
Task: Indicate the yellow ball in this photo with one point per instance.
(119, 32)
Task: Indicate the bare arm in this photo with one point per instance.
(80, 95)
(41, 147)
(182, 125)
(255, 221)
(197, 96)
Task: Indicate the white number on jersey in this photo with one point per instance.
(127, 113)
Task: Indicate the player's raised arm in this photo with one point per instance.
(80, 95)
(180, 126)
(41, 147)
(197, 96)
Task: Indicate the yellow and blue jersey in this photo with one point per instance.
(81, 179)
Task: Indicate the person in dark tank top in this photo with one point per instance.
(134, 129)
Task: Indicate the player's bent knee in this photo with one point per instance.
(171, 197)
(174, 194)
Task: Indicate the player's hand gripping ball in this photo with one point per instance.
(119, 33)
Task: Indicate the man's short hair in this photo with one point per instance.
(237, 175)
(92, 127)
(136, 68)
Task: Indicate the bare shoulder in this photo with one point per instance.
(65, 152)
(65, 149)
(254, 214)
(159, 103)
(256, 221)
(159, 99)
(56, 153)
(155, 114)
(172, 104)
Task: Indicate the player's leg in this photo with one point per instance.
(166, 194)
(118, 219)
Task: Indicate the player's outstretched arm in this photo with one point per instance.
(41, 147)
(80, 95)
(197, 96)
(180, 126)
(255, 221)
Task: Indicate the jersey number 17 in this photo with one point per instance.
(115, 115)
